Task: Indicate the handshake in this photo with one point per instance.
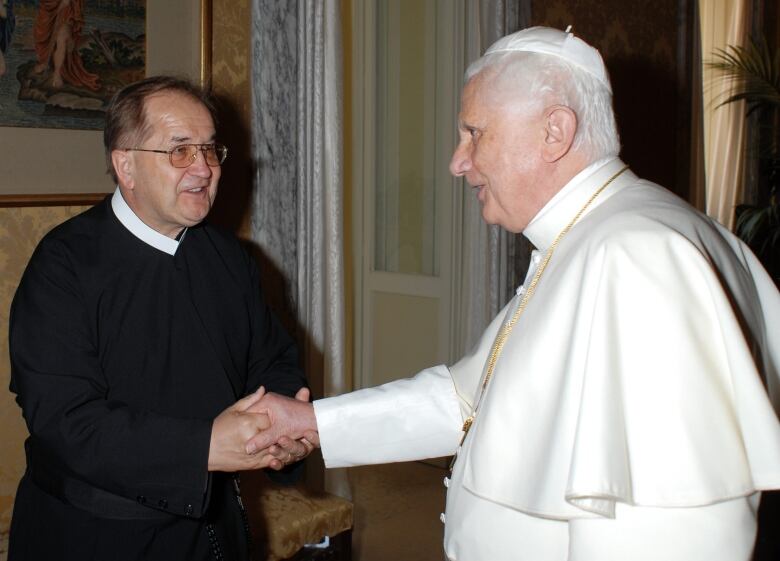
(263, 430)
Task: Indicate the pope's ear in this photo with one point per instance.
(560, 128)
(123, 167)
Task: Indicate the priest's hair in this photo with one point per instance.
(539, 80)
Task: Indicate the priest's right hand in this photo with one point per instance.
(230, 432)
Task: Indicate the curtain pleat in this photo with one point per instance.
(297, 204)
(320, 202)
(722, 23)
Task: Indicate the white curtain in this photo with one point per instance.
(320, 185)
(492, 258)
(297, 83)
(722, 22)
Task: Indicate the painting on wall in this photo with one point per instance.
(57, 156)
(62, 60)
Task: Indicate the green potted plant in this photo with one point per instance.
(754, 71)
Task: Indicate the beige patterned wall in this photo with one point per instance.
(231, 84)
(20, 231)
(230, 61)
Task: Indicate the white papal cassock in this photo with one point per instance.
(627, 417)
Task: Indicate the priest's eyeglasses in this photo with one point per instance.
(184, 155)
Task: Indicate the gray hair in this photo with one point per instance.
(540, 80)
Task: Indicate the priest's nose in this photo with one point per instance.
(199, 167)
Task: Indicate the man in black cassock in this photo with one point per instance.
(134, 331)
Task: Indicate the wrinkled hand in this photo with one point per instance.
(293, 425)
(287, 451)
(230, 432)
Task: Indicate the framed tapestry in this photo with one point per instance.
(58, 78)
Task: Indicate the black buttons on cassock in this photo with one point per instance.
(163, 504)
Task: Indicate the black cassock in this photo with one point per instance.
(121, 357)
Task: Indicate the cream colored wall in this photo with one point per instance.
(411, 116)
(404, 335)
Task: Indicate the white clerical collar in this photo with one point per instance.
(559, 210)
(130, 220)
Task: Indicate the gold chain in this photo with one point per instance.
(503, 335)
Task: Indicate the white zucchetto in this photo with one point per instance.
(558, 43)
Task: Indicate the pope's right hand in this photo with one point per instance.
(292, 419)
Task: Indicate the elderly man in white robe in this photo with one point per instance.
(623, 406)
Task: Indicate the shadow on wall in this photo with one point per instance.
(647, 119)
(232, 211)
(232, 206)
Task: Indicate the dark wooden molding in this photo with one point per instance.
(206, 50)
(686, 76)
(59, 199)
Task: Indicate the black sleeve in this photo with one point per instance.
(273, 356)
(273, 362)
(67, 405)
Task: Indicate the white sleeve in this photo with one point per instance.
(408, 419)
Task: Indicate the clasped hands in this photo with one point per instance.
(263, 430)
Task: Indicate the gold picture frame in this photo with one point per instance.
(179, 39)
